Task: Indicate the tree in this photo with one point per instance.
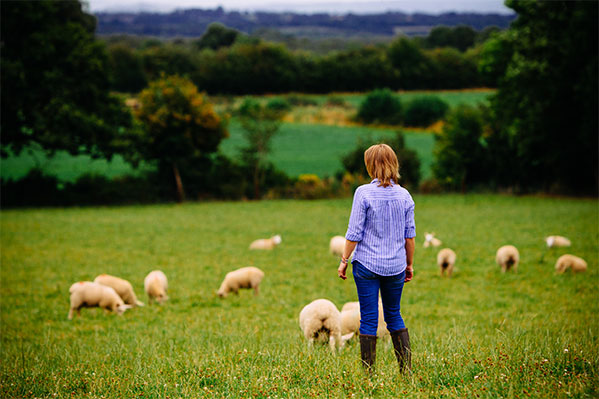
(261, 123)
(216, 36)
(416, 70)
(126, 67)
(180, 126)
(546, 104)
(55, 87)
(460, 150)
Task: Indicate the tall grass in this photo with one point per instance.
(479, 334)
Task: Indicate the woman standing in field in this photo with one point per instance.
(382, 230)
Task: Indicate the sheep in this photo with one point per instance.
(122, 287)
(507, 257)
(266, 243)
(557, 241)
(246, 277)
(350, 319)
(337, 245)
(155, 285)
(568, 261)
(446, 260)
(90, 295)
(429, 239)
(320, 320)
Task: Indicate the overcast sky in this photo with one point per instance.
(306, 6)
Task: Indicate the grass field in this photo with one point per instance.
(300, 147)
(479, 334)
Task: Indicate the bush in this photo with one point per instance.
(279, 105)
(336, 101)
(424, 111)
(301, 101)
(380, 106)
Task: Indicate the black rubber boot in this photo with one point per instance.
(368, 351)
(401, 343)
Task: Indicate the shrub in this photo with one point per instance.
(380, 106)
(301, 101)
(279, 105)
(424, 111)
(336, 101)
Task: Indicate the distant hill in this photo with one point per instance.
(193, 23)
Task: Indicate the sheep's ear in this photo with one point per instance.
(139, 303)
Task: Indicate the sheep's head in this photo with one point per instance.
(221, 293)
(121, 308)
(277, 239)
(428, 237)
(161, 297)
(550, 240)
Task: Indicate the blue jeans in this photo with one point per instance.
(368, 285)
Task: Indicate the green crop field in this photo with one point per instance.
(299, 148)
(307, 148)
(479, 334)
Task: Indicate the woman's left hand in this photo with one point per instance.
(341, 270)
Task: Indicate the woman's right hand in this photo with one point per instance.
(409, 273)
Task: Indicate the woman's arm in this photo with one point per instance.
(347, 251)
(410, 247)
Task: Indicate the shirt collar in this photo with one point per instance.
(377, 181)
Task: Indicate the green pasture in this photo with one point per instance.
(297, 149)
(479, 334)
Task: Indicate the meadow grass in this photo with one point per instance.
(479, 334)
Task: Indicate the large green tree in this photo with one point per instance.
(546, 104)
(179, 127)
(55, 89)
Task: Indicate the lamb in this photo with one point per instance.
(429, 239)
(557, 241)
(337, 245)
(320, 320)
(350, 319)
(266, 243)
(90, 295)
(155, 285)
(446, 260)
(568, 261)
(122, 287)
(246, 277)
(507, 257)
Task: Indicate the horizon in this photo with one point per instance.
(434, 7)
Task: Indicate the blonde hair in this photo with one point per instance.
(381, 163)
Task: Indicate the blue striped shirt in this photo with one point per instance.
(380, 221)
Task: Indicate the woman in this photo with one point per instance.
(381, 230)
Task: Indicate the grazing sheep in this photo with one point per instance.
(320, 320)
(337, 245)
(429, 239)
(155, 285)
(89, 295)
(266, 243)
(246, 277)
(507, 257)
(122, 287)
(446, 260)
(557, 241)
(568, 261)
(350, 319)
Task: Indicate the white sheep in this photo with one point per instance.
(266, 243)
(155, 285)
(430, 240)
(446, 261)
(246, 277)
(121, 286)
(507, 257)
(557, 241)
(337, 245)
(90, 295)
(568, 261)
(321, 321)
(350, 319)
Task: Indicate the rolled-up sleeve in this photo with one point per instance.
(357, 218)
(410, 228)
